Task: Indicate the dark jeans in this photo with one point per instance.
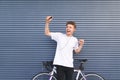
(64, 73)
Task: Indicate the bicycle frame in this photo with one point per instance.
(52, 72)
(79, 72)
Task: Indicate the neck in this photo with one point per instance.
(69, 35)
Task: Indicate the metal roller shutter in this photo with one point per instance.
(23, 45)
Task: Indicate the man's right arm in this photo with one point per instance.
(47, 22)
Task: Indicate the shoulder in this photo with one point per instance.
(75, 39)
(56, 34)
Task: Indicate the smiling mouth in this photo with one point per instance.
(68, 31)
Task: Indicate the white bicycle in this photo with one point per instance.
(80, 75)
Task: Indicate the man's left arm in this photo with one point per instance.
(81, 43)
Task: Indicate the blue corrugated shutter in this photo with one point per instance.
(23, 45)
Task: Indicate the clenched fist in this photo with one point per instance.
(81, 41)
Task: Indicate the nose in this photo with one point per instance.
(67, 28)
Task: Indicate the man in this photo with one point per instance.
(66, 43)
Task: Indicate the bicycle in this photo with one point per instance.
(51, 75)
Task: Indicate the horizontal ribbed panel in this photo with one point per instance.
(23, 44)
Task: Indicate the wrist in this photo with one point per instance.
(47, 22)
(80, 46)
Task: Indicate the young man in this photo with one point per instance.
(66, 43)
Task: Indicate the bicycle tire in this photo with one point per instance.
(92, 76)
(44, 76)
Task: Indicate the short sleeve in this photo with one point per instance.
(55, 35)
(76, 44)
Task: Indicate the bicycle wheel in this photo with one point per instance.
(92, 76)
(44, 76)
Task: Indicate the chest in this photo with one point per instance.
(66, 42)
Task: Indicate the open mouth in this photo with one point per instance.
(68, 31)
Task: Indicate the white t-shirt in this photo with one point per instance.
(64, 49)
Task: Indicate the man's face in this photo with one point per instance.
(70, 30)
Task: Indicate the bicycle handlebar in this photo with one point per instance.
(48, 65)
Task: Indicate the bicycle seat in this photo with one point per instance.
(83, 60)
(48, 65)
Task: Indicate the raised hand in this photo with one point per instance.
(49, 19)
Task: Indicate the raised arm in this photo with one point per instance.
(47, 22)
(81, 43)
